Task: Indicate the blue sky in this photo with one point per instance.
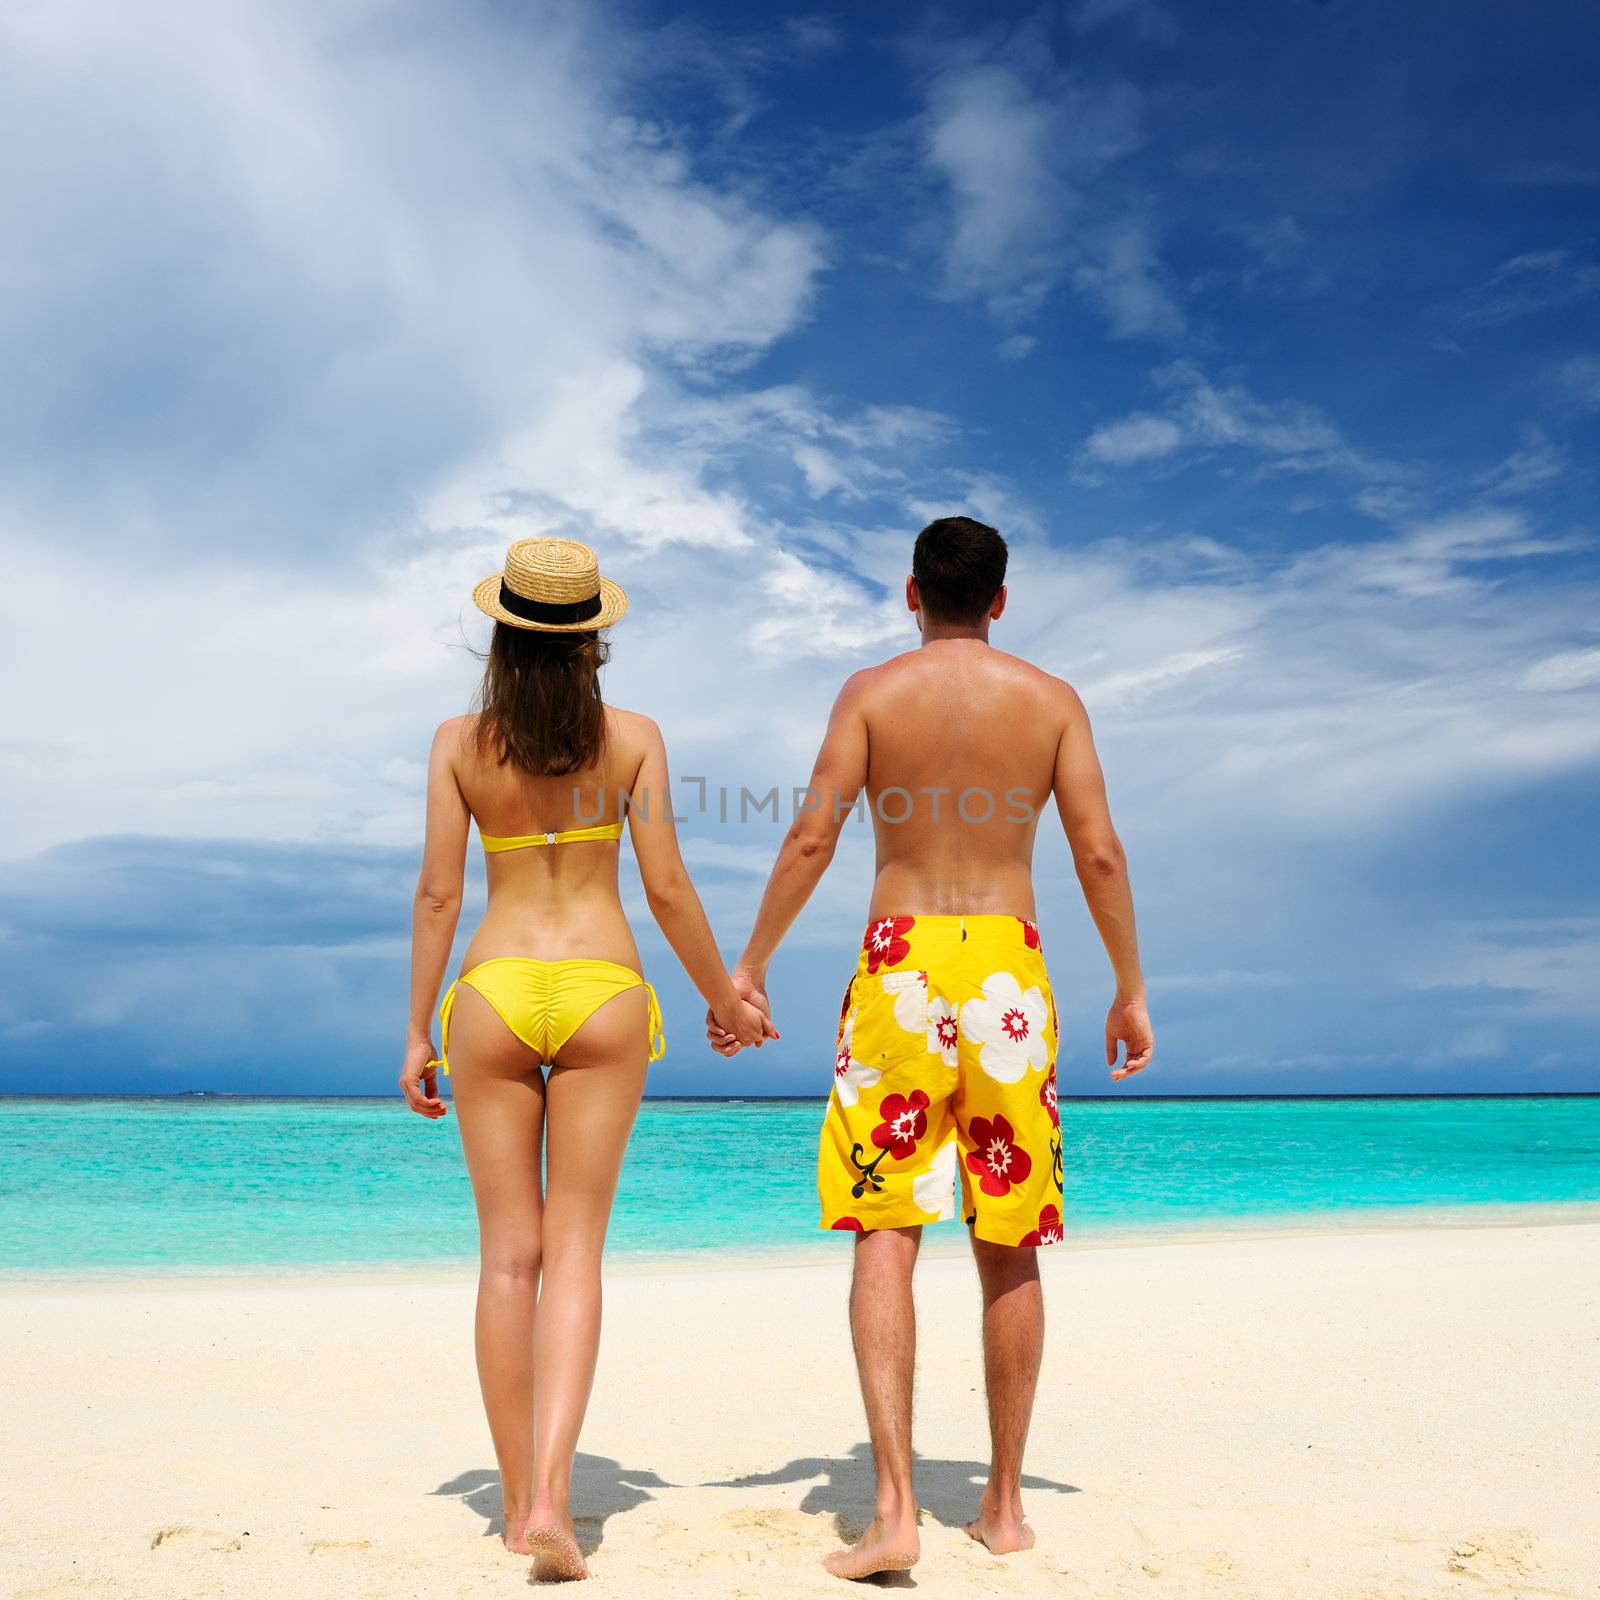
(1268, 333)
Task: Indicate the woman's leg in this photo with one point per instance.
(499, 1096)
(592, 1097)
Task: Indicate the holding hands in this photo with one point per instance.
(750, 1022)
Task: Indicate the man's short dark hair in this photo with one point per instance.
(960, 566)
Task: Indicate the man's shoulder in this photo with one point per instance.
(880, 684)
(912, 667)
(1001, 663)
(1036, 677)
(882, 671)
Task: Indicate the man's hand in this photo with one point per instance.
(1128, 1025)
(752, 989)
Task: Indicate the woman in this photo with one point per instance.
(547, 1032)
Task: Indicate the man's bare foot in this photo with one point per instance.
(555, 1552)
(884, 1547)
(1003, 1533)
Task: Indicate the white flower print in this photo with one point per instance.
(943, 1029)
(935, 1190)
(1008, 1025)
(910, 991)
(850, 1076)
(917, 1012)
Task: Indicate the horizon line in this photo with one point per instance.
(1129, 1098)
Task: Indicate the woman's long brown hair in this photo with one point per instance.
(541, 702)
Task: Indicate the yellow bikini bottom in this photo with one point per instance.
(545, 1002)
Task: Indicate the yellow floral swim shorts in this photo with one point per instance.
(945, 1064)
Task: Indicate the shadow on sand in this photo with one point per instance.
(947, 1490)
(601, 1488)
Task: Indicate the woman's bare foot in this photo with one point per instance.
(512, 1535)
(886, 1546)
(1003, 1532)
(554, 1548)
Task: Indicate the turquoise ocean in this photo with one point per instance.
(153, 1186)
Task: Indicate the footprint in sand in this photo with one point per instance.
(751, 1534)
(1510, 1553)
(773, 1522)
(205, 1538)
(1188, 1563)
(324, 1547)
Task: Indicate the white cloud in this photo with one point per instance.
(1123, 276)
(1289, 436)
(823, 474)
(1535, 465)
(1140, 437)
(1116, 689)
(990, 138)
(1535, 281)
(1547, 965)
(1298, 435)
(813, 612)
(1567, 669)
(585, 462)
(1436, 557)
(369, 251)
(1027, 166)
(982, 495)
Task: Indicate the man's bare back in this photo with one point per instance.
(962, 751)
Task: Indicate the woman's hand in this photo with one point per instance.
(419, 1081)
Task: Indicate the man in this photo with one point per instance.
(947, 1038)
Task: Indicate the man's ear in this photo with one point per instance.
(913, 594)
(999, 605)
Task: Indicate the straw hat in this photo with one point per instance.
(553, 586)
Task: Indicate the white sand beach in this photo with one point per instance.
(1398, 1414)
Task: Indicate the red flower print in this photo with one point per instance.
(1049, 1231)
(999, 1161)
(1030, 932)
(1014, 1024)
(947, 1029)
(885, 942)
(848, 1225)
(1047, 1098)
(905, 1120)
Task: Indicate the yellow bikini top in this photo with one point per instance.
(607, 830)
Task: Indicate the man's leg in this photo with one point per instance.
(883, 1325)
(1013, 1346)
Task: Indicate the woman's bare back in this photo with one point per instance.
(552, 902)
